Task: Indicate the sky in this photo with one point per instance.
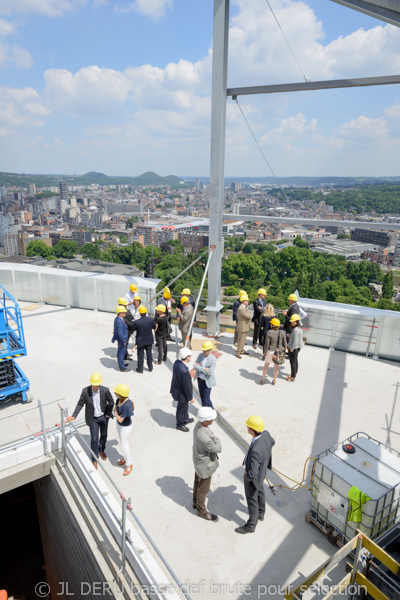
(124, 86)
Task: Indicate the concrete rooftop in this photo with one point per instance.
(335, 395)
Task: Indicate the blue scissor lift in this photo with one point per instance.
(13, 382)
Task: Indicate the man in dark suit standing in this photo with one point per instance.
(292, 310)
(121, 335)
(256, 462)
(182, 389)
(98, 403)
(258, 306)
(144, 338)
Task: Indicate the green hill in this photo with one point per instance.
(149, 178)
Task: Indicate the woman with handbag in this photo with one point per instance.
(268, 315)
(295, 344)
(274, 349)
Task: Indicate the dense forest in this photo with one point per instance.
(249, 266)
(379, 199)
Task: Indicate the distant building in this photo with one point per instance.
(146, 232)
(81, 237)
(396, 259)
(193, 241)
(10, 244)
(31, 189)
(240, 209)
(23, 241)
(236, 186)
(378, 238)
(5, 227)
(197, 183)
(63, 186)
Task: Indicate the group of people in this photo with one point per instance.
(275, 339)
(133, 322)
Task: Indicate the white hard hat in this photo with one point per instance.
(184, 353)
(206, 413)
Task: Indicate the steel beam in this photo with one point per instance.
(303, 86)
(218, 123)
(315, 222)
(385, 10)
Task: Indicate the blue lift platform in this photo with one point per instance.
(13, 382)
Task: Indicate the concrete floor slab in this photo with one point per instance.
(335, 395)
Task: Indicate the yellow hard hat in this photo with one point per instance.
(262, 291)
(256, 423)
(123, 301)
(275, 322)
(242, 292)
(293, 297)
(294, 318)
(243, 297)
(207, 345)
(184, 299)
(166, 290)
(142, 310)
(167, 295)
(161, 307)
(120, 309)
(133, 288)
(95, 379)
(122, 390)
(186, 292)
(137, 298)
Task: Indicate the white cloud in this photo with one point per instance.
(6, 28)
(21, 107)
(155, 9)
(92, 90)
(50, 8)
(14, 56)
(364, 129)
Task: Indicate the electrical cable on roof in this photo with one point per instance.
(259, 147)
(286, 40)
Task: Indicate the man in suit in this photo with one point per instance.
(258, 306)
(121, 335)
(256, 462)
(98, 403)
(243, 325)
(235, 307)
(206, 447)
(144, 338)
(204, 367)
(182, 389)
(185, 316)
(168, 300)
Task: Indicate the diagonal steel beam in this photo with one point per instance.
(314, 85)
(385, 10)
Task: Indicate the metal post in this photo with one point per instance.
(218, 123)
(199, 295)
(381, 325)
(334, 328)
(43, 428)
(123, 539)
(64, 446)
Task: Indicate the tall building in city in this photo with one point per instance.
(197, 183)
(378, 238)
(236, 186)
(10, 244)
(23, 241)
(63, 186)
(396, 259)
(31, 189)
(5, 227)
(81, 237)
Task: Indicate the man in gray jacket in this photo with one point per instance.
(205, 459)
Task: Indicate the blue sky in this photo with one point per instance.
(123, 87)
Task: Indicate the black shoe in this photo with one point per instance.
(170, 339)
(244, 529)
(194, 504)
(137, 370)
(165, 358)
(124, 370)
(210, 517)
(151, 369)
(261, 517)
(128, 358)
(183, 428)
(189, 421)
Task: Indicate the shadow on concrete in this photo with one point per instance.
(251, 376)
(225, 503)
(112, 446)
(162, 418)
(111, 351)
(389, 421)
(48, 312)
(296, 544)
(177, 490)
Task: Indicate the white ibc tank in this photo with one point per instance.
(374, 469)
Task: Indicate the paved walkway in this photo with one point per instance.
(334, 396)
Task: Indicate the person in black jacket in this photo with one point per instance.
(161, 333)
(256, 462)
(98, 403)
(292, 310)
(128, 322)
(144, 338)
(182, 389)
(258, 308)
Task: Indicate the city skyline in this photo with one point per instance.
(124, 88)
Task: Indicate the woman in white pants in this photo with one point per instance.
(123, 412)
